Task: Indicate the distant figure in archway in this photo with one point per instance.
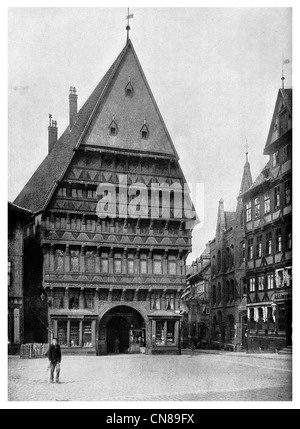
(117, 342)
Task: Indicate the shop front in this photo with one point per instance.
(165, 332)
(270, 324)
(75, 334)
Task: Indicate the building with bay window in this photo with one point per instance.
(268, 237)
(105, 256)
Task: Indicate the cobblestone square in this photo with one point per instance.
(189, 377)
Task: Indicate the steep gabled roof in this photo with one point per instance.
(285, 95)
(38, 191)
(40, 187)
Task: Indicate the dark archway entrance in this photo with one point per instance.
(117, 327)
(126, 324)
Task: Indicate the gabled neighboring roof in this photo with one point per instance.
(38, 191)
(285, 94)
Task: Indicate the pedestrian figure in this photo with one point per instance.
(54, 356)
(117, 342)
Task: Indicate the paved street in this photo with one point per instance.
(189, 377)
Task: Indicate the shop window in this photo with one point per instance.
(74, 255)
(59, 260)
(270, 281)
(259, 246)
(267, 202)
(278, 241)
(62, 332)
(87, 334)
(257, 208)
(170, 332)
(248, 212)
(252, 323)
(271, 319)
(277, 197)
(160, 333)
(261, 284)
(287, 192)
(269, 243)
(281, 317)
(74, 334)
(252, 284)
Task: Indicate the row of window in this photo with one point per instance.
(229, 292)
(262, 204)
(73, 298)
(279, 279)
(228, 260)
(132, 265)
(86, 223)
(271, 242)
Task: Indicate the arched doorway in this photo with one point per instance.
(126, 324)
(117, 327)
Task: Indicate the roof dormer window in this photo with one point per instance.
(144, 131)
(113, 128)
(129, 89)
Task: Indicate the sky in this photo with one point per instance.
(214, 72)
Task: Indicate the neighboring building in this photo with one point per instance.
(228, 312)
(17, 218)
(268, 217)
(90, 279)
(196, 303)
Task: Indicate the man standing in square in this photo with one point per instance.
(54, 356)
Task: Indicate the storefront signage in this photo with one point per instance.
(282, 296)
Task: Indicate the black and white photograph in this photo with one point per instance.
(149, 226)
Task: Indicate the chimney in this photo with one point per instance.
(72, 106)
(52, 133)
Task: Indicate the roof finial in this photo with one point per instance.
(284, 61)
(246, 150)
(128, 17)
